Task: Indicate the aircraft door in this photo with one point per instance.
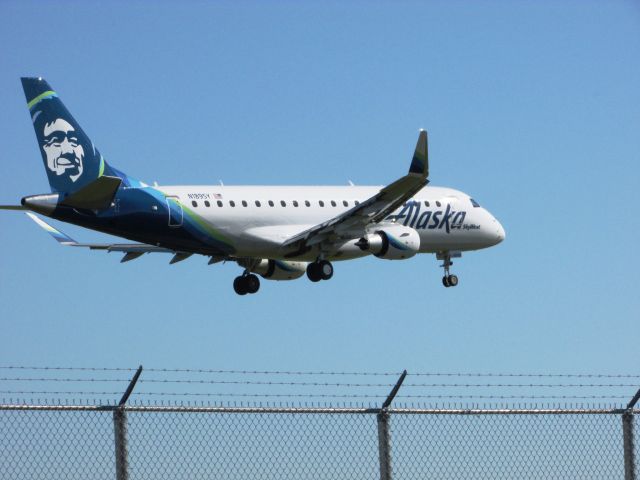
(175, 212)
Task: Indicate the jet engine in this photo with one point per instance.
(395, 242)
(278, 269)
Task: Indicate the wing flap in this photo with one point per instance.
(125, 247)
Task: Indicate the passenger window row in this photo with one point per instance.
(283, 203)
(295, 203)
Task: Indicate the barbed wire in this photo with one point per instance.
(322, 384)
(88, 369)
(310, 373)
(531, 375)
(67, 380)
(271, 395)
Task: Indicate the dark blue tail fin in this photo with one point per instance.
(70, 158)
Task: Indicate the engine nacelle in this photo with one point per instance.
(278, 269)
(395, 242)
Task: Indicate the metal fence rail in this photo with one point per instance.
(160, 442)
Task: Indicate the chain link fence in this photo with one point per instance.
(159, 442)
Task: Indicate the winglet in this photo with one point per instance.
(420, 161)
(60, 237)
(96, 195)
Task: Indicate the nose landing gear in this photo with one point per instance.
(319, 270)
(449, 280)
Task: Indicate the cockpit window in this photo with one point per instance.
(474, 203)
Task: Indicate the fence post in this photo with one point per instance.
(384, 434)
(384, 445)
(627, 436)
(627, 433)
(120, 431)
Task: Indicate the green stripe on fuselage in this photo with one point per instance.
(204, 225)
(200, 222)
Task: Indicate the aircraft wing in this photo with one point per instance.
(352, 222)
(131, 250)
(12, 207)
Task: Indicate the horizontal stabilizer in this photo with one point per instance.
(98, 195)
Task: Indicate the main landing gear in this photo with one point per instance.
(319, 270)
(449, 280)
(246, 283)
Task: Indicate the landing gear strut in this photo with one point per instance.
(246, 283)
(319, 270)
(449, 280)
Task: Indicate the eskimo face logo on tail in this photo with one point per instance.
(63, 149)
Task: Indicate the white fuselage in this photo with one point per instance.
(259, 218)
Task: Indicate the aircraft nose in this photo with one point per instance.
(500, 231)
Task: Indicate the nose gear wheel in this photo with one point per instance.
(449, 280)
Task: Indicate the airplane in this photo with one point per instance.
(276, 232)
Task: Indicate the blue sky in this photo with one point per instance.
(531, 107)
